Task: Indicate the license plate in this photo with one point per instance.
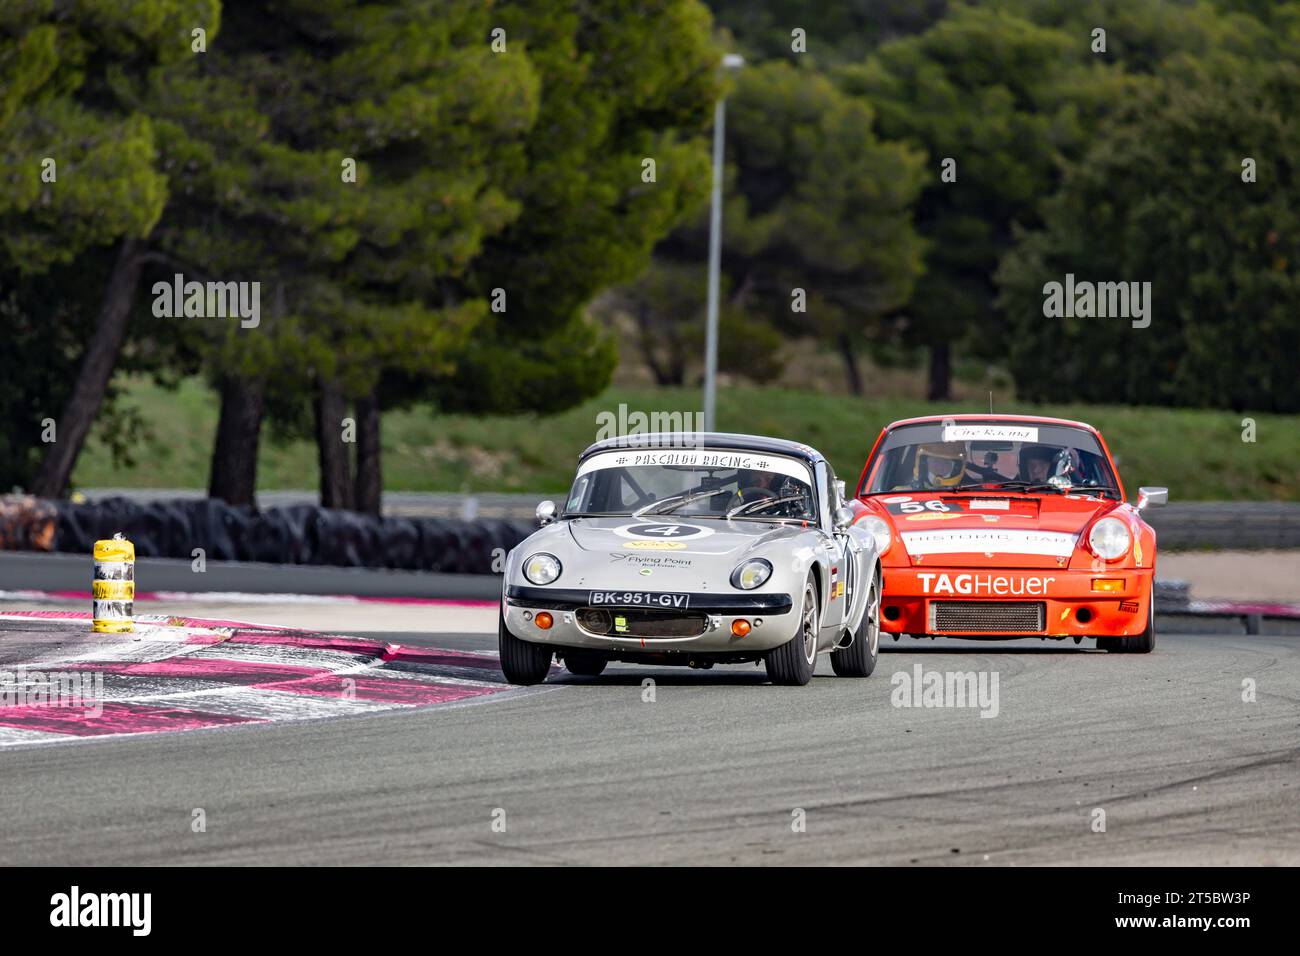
(654, 599)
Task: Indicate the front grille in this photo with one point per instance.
(635, 622)
(986, 617)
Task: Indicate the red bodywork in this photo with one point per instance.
(1065, 581)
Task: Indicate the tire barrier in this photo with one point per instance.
(299, 534)
(27, 523)
(1172, 595)
(1222, 525)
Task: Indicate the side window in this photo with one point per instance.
(579, 490)
(825, 494)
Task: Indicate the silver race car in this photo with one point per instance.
(695, 549)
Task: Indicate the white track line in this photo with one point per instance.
(262, 704)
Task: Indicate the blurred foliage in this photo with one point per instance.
(844, 30)
(666, 305)
(500, 191)
(610, 100)
(817, 224)
(1222, 255)
(478, 169)
(354, 273)
(996, 101)
(79, 170)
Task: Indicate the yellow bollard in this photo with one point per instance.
(113, 589)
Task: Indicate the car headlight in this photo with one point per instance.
(542, 568)
(753, 573)
(878, 528)
(1109, 539)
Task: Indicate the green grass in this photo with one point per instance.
(1199, 454)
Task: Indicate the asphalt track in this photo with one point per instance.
(715, 770)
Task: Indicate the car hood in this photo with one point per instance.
(672, 535)
(657, 553)
(1030, 531)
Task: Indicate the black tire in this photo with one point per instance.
(523, 662)
(1143, 643)
(791, 663)
(584, 664)
(859, 658)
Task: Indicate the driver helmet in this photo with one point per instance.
(1045, 453)
(753, 478)
(940, 463)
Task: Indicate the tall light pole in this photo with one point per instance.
(730, 63)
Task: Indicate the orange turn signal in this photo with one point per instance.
(740, 627)
(1108, 584)
(543, 620)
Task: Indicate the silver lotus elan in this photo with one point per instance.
(696, 549)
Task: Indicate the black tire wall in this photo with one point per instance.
(300, 534)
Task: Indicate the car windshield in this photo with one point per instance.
(988, 456)
(696, 482)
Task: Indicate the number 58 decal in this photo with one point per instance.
(915, 507)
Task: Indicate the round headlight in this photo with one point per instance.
(542, 568)
(878, 528)
(751, 574)
(1109, 538)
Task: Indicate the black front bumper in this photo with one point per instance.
(570, 599)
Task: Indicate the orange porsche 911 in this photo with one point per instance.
(1008, 526)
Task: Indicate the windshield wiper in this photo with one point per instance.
(1019, 484)
(765, 502)
(685, 498)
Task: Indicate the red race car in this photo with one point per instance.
(1008, 526)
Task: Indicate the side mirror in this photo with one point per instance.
(1152, 496)
(843, 517)
(839, 488)
(546, 512)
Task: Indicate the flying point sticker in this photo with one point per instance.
(990, 433)
(645, 561)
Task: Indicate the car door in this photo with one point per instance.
(857, 554)
(839, 581)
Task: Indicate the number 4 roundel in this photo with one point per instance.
(663, 531)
